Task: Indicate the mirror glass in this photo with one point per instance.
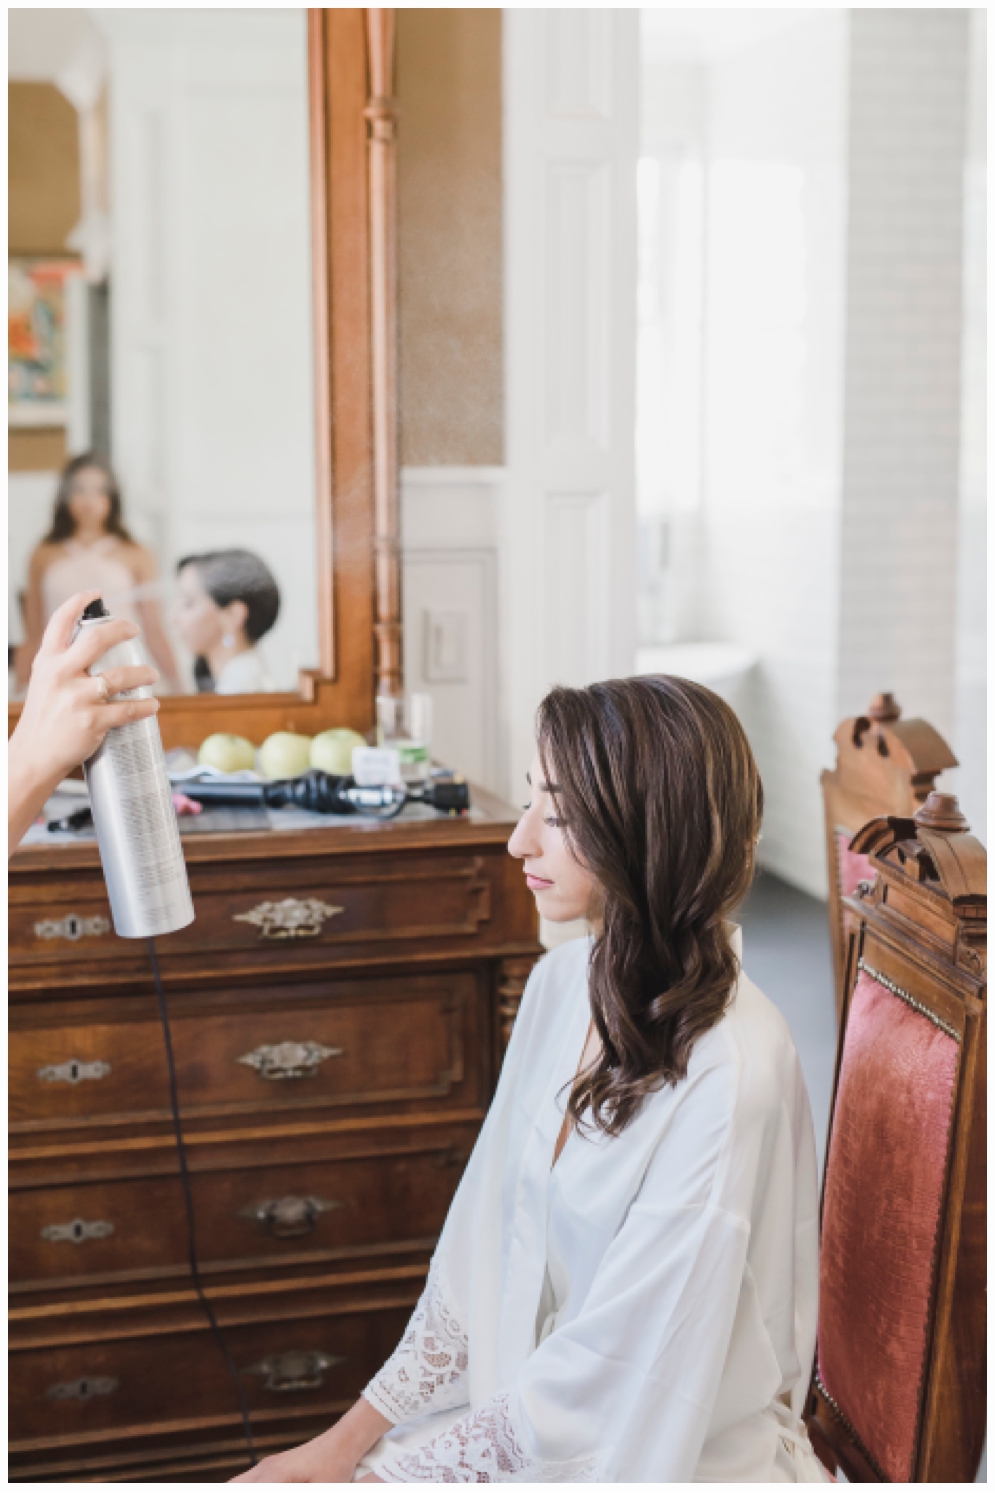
(160, 350)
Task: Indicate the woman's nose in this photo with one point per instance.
(523, 842)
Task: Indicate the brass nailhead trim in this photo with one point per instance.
(847, 1424)
(915, 1004)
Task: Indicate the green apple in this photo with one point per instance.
(284, 754)
(332, 750)
(227, 752)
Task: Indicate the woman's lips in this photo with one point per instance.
(536, 883)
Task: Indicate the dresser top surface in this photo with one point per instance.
(490, 821)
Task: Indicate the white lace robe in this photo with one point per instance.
(681, 1336)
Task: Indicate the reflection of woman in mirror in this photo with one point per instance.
(225, 603)
(89, 547)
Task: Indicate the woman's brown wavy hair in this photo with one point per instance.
(661, 801)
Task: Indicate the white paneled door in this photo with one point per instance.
(571, 114)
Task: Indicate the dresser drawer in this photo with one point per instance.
(247, 1215)
(280, 1048)
(267, 909)
(299, 1364)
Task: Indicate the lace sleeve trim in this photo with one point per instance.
(428, 1370)
(487, 1446)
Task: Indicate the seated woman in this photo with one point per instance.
(225, 603)
(88, 546)
(625, 1286)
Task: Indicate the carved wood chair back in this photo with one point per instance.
(884, 764)
(898, 1388)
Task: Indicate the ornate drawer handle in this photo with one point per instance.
(73, 928)
(285, 1218)
(83, 1388)
(295, 1370)
(289, 1059)
(295, 917)
(78, 1230)
(74, 1071)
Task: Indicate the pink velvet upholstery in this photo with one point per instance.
(853, 868)
(884, 1185)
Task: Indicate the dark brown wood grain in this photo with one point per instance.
(381, 113)
(418, 988)
(185, 1373)
(365, 1205)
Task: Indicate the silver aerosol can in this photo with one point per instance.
(133, 815)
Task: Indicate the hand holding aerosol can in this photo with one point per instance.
(62, 721)
(133, 815)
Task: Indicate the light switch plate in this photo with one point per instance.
(446, 633)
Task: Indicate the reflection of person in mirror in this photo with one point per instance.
(89, 547)
(225, 603)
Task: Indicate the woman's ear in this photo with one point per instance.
(236, 613)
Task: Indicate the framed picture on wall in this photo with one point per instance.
(38, 336)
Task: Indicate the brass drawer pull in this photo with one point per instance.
(289, 1059)
(294, 917)
(73, 928)
(78, 1230)
(74, 1071)
(285, 1218)
(295, 1370)
(83, 1388)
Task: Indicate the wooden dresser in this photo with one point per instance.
(338, 1010)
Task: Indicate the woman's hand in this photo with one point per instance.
(328, 1459)
(322, 1461)
(65, 716)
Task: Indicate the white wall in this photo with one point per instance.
(772, 406)
(212, 407)
(450, 527)
(839, 526)
(30, 501)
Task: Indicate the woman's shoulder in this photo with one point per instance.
(562, 968)
(46, 553)
(741, 1100)
(748, 1057)
(245, 673)
(138, 556)
(556, 979)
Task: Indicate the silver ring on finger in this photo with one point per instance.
(103, 687)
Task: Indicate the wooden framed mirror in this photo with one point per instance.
(355, 555)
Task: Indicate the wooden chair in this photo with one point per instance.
(884, 764)
(898, 1390)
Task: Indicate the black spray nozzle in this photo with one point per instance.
(319, 791)
(96, 610)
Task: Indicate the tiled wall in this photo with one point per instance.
(900, 492)
(970, 704)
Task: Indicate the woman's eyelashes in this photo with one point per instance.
(550, 822)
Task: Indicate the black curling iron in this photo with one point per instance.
(320, 792)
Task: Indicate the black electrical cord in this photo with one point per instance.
(188, 1199)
